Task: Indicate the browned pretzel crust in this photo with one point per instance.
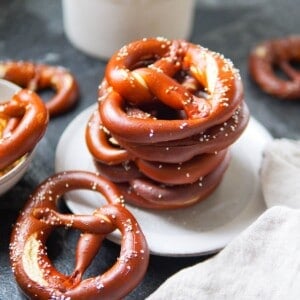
(26, 122)
(272, 54)
(33, 270)
(167, 113)
(37, 77)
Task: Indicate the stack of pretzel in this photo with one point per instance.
(167, 113)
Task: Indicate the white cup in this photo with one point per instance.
(101, 27)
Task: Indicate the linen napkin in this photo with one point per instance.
(263, 262)
(280, 173)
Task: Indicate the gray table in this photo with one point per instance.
(32, 30)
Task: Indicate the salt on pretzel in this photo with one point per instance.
(172, 109)
(98, 141)
(146, 193)
(37, 77)
(29, 120)
(113, 150)
(34, 272)
(216, 74)
(182, 173)
(279, 53)
(216, 138)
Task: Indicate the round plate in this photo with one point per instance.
(197, 230)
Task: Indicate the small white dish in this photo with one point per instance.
(201, 229)
(11, 177)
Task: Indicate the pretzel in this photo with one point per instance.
(211, 140)
(149, 194)
(114, 150)
(266, 57)
(33, 270)
(181, 173)
(37, 77)
(122, 172)
(98, 140)
(166, 173)
(27, 121)
(167, 113)
(215, 73)
(167, 186)
(6, 127)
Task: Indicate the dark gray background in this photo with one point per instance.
(33, 30)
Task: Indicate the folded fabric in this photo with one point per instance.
(263, 262)
(280, 173)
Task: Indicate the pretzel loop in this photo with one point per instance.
(274, 54)
(27, 120)
(123, 71)
(33, 270)
(37, 77)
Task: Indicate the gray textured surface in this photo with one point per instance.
(33, 30)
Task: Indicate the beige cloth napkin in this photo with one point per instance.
(280, 173)
(263, 262)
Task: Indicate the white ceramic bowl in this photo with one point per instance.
(10, 178)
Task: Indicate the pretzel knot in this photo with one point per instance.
(37, 77)
(201, 84)
(33, 270)
(167, 113)
(26, 120)
(270, 56)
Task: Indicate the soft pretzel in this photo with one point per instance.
(182, 173)
(37, 77)
(167, 113)
(114, 150)
(33, 270)
(147, 193)
(99, 142)
(27, 120)
(269, 55)
(211, 140)
(165, 173)
(224, 93)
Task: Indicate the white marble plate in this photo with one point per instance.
(197, 230)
